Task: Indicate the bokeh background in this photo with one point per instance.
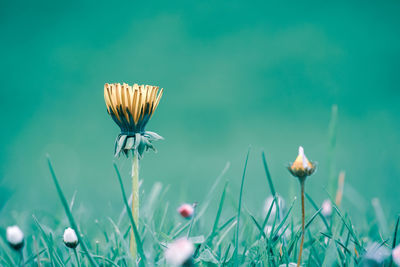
(235, 73)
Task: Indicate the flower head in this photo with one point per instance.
(15, 237)
(396, 255)
(301, 167)
(186, 210)
(70, 239)
(326, 208)
(131, 107)
(179, 252)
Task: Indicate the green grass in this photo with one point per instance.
(228, 235)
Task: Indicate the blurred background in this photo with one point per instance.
(234, 73)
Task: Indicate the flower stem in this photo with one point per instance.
(21, 260)
(135, 199)
(77, 258)
(302, 220)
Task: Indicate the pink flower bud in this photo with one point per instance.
(186, 210)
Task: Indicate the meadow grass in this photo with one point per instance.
(235, 237)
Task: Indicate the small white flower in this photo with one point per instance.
(70, 238)
(186, 210)
(15, 237)
(396, 255)
(376, 254)
(291, 264)
(179, 252)
(326, 208)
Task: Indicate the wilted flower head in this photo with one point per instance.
(301, 167)
(396, 255)
(186, 210)
(179, 252)
(131, 107)
(376, 255)
(70, 238)
(268, 203)
(15, 237)
(326, 208)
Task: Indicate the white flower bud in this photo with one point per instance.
(326, 208)
(70, 238)
(179, 252)
(396, 255)
(15, 237)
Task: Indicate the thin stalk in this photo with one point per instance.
(135, 199)
(69, 214)
(192, 222)
(21, 255)
(302, 220)
(77, 258)
(35, 245)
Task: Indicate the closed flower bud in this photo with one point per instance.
(70, 238)
(396, 255)
(301, 167)
(186, 210)
(179, 252)
(15, 237)
(326, 208)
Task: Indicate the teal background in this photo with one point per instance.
(235, 73)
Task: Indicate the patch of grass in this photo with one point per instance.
(230, 237)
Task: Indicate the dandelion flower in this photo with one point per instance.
(131, 108)
(186, 210)
(15, 237)
(70, 238)
(179, 252)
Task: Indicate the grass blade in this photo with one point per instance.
(269, 178)
(331, 151)
(235, 253)
(54, 257)
(320, 215)
(396, 228)
(216, 221)
(69, 214)
(271, 184)
(129, 211)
